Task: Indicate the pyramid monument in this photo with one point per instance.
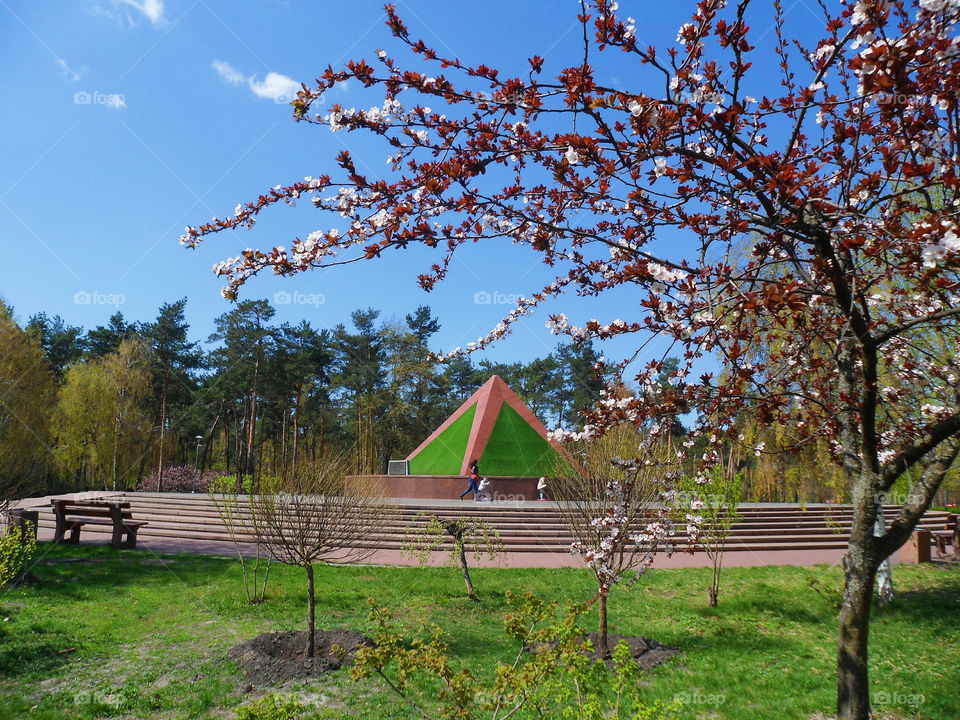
(497, 429)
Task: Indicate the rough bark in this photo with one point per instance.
(885, 594)
(853, 684)
(859, 569)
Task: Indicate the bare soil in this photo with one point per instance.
(647, 653)
(276, 658)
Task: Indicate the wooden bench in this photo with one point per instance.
(948, 536)
(74, 514)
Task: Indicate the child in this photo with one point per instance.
(484, 490)
(542, 489)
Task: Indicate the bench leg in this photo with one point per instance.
(58, 533)
(131, 542)
(74, 534)
(117, 540)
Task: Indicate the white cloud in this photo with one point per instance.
(131, 11)
(151, 9)
(274, 86)
(67, 72)
(228, 72)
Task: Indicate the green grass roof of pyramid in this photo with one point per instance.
(494, 427)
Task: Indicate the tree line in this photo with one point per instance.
(142, 405)
(138, 404)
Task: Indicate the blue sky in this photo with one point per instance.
(124, 121)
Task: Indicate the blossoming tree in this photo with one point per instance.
(613, 506)
(797, 220)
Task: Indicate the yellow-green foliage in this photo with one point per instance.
(102, 418)
(16, 549)
(551, 676)
(272, 707)
(27, 388)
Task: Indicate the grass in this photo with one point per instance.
(129, 634)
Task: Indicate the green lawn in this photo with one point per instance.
(128, 634)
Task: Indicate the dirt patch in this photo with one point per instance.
(647, 653)
(275, 658)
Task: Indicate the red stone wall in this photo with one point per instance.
(446, 486)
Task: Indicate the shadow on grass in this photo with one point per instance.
(933, 609)
(19, 656)
(73, 571)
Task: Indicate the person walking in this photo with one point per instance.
(542, 489)
(473, 481)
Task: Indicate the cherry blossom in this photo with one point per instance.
(790, 229)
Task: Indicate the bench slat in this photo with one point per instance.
(73, 515)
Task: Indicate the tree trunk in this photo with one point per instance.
(713, 592)
(603, 648)
(283, 448)
(252, 427)
(311, 611)
(466, 571)
(116, 451)
(853, 684)
(885, 594)
(359, 439)
(163, 427)
(296, 438)
(296, 432)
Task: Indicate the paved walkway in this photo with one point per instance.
(733, 558)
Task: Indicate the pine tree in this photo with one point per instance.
(173, 359)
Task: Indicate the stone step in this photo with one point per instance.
(529, 547)
(533, 528)
(797, 519)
